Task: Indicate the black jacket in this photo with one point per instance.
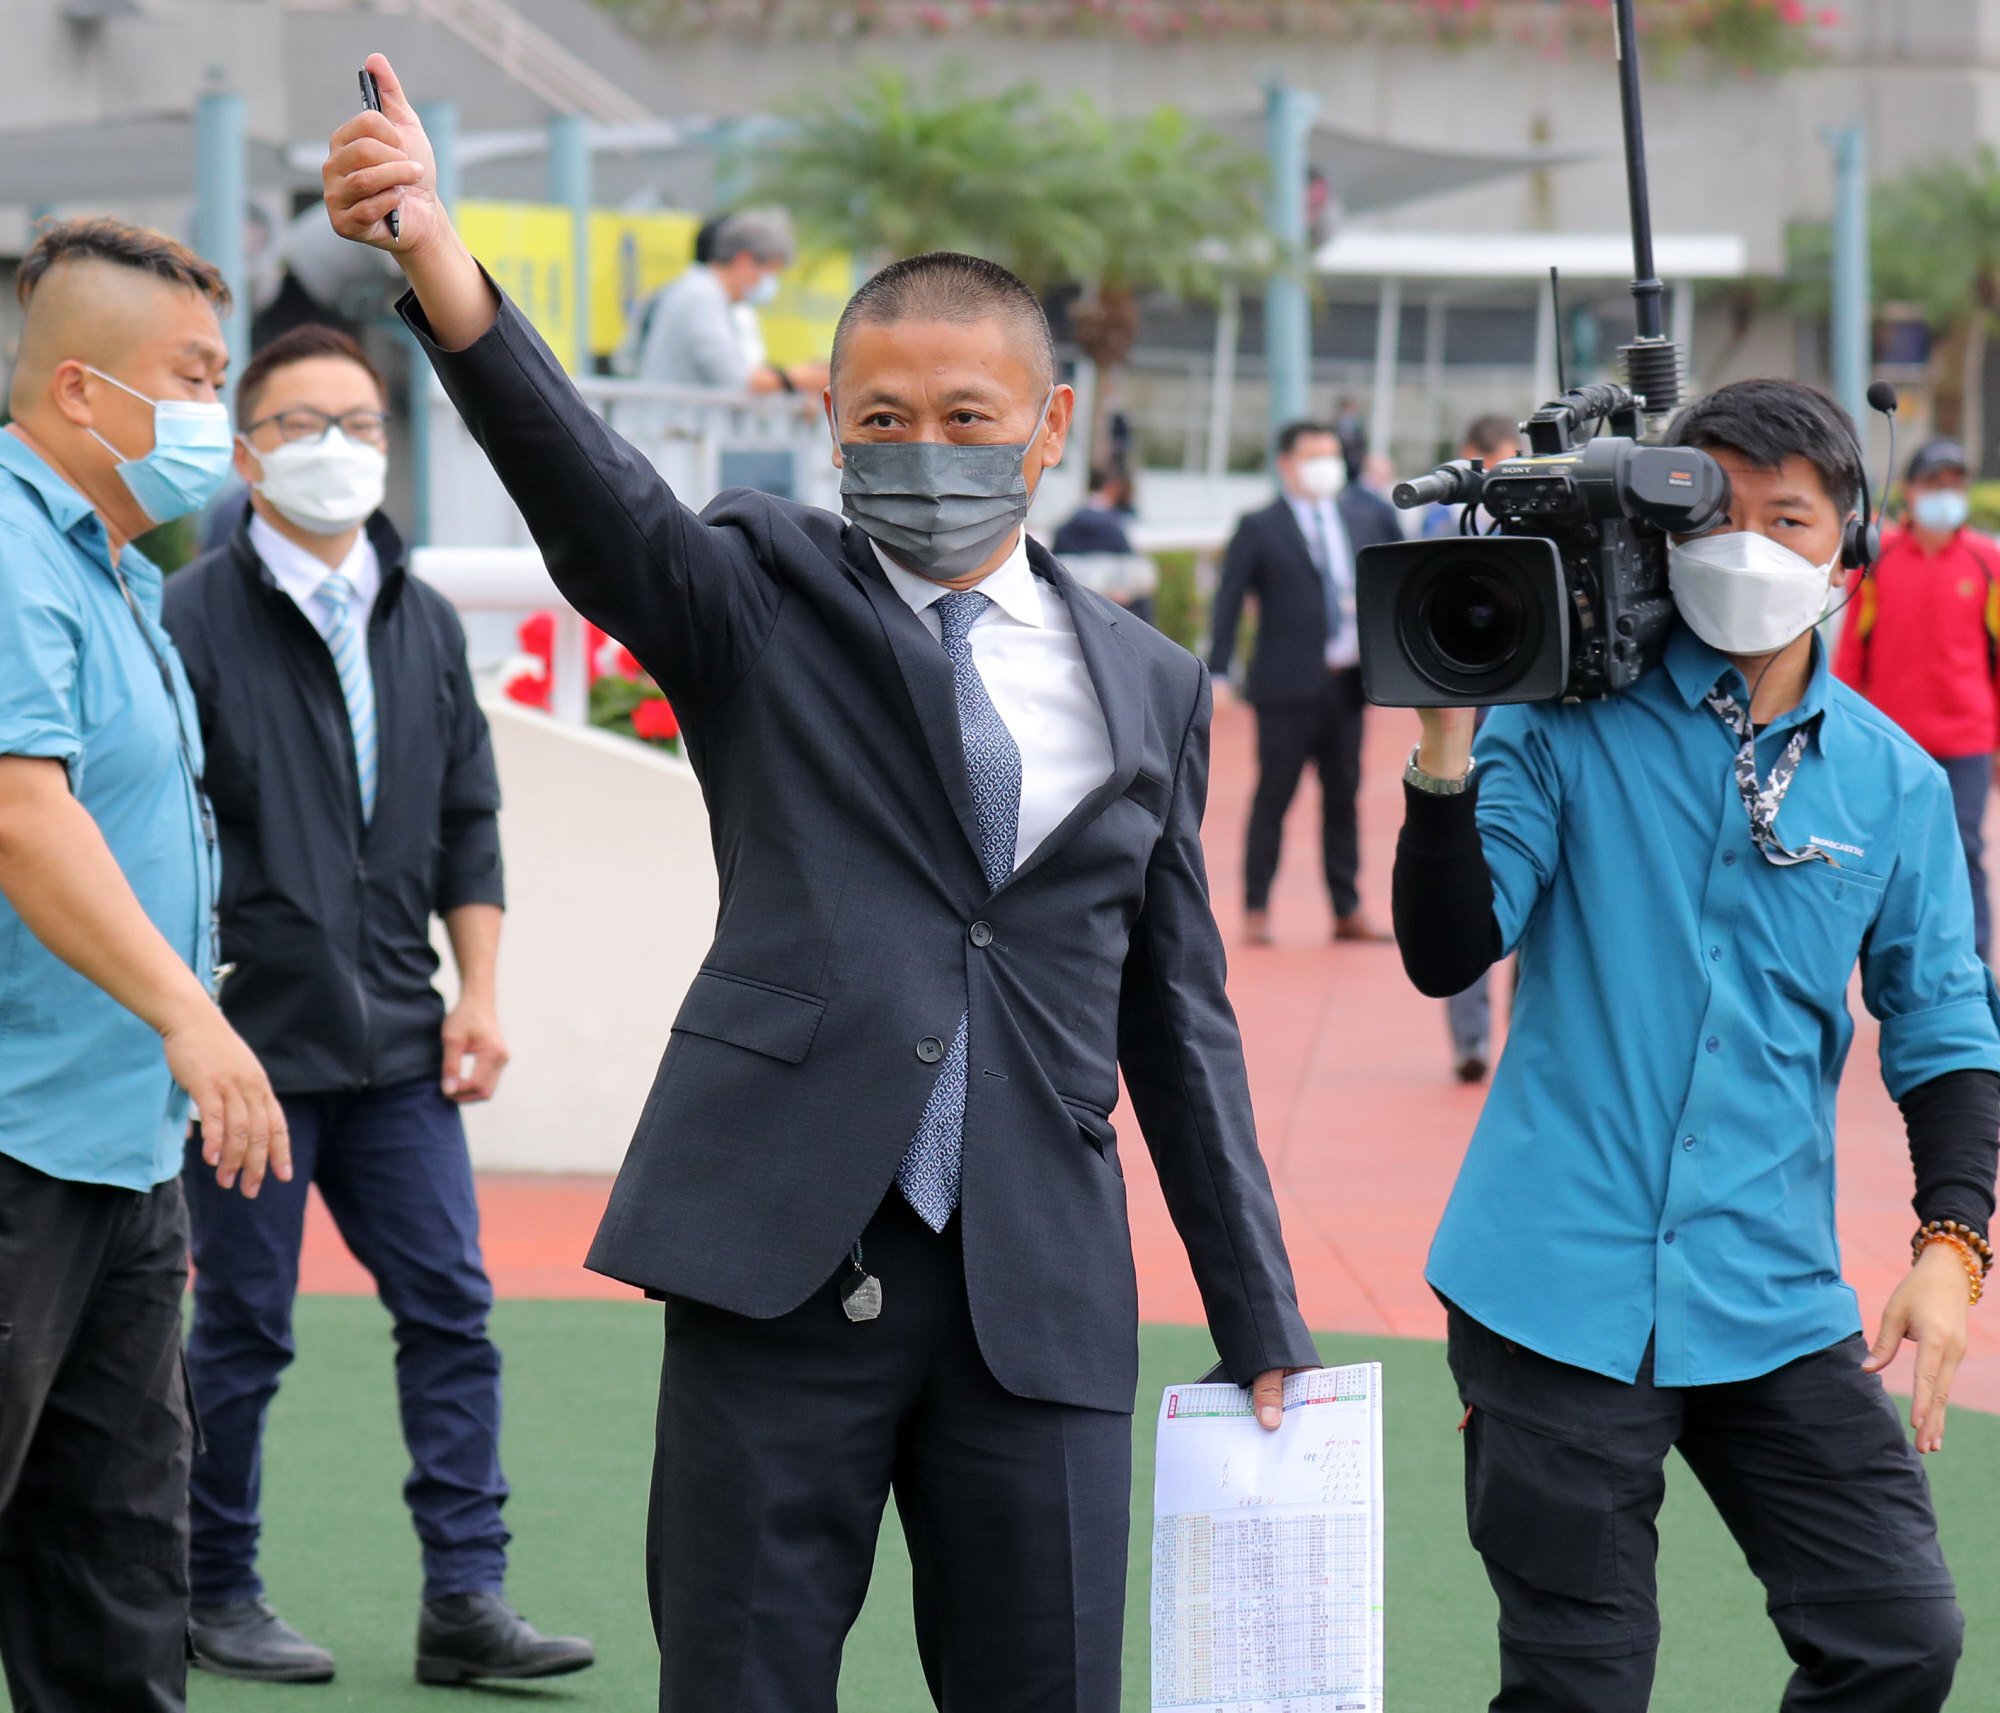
(1268, 557)
(856, 927)
(328, 925)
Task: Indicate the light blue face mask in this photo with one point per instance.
(764, 292)
(1940, 510)
(192, 450)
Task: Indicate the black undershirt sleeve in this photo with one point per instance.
(1954, 1126)
(1442, 893)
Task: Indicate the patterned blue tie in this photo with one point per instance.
(928, 1176)
(357, 684)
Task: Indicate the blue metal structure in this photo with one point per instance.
(1288, 117)
(569, 187)
(1852, 350)
(221, 197)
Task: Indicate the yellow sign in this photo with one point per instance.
(526, 248)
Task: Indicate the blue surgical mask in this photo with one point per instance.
(764, 292)
(192, 449)
(1940, 510)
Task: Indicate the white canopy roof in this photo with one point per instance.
(1527, 255)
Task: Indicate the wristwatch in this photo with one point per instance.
(1415, 776)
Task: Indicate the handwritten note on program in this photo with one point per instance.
(1267, 1549)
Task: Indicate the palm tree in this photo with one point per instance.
(1936, 244)
(1065, 196)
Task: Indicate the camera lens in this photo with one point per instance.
(1475, 620)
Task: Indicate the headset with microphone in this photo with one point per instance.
(1861, 540)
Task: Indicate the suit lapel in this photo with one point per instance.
(927, 676)
(1113, 664)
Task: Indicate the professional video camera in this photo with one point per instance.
(1566, 596)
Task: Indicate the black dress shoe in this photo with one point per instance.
(468, 1636)
(245, 1638)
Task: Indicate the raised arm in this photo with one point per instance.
(692, 602)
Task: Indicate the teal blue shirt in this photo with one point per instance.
(1656, 1157)
(84, 1089)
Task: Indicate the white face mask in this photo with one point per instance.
(1743, 593)
(324, 486)
(1322, 478)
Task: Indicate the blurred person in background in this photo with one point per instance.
(1350, 428)
(1489, 440)
(1097, 551)
(1295, 558)
(354, 783)
(690, 333)
(108, 966)
(1922, 642)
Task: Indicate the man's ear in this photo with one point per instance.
(67, 392)
(832, 423)
(1055, 434)
(248, 465)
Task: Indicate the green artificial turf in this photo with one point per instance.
(342, 1564)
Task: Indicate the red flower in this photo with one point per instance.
(654, 718)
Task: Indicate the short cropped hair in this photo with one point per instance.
(765, 233)
(1293, 432)
(297, 345)
(102, 239)
(1487, 434)
(942, 285)
(1767, 421)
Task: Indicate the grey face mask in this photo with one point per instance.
(939, 509)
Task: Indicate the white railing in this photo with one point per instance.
(701, 439)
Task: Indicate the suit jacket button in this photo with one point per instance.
(981, 934)
(930, 1049)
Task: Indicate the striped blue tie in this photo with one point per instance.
(928, 1176)
(357, 684)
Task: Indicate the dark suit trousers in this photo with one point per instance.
(392, 1168)
(779, 1444)
(1326, 733)
(94, 1440)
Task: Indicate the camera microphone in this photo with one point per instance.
(1449, 485)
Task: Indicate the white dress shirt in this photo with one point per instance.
(1027, 653)
(300, 574)
(1319, 522)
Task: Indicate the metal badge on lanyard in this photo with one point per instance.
(219, 972)
(861, 1291)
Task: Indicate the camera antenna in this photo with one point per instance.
(1652, 360)
(1556, 309)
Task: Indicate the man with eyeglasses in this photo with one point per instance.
(353, 780)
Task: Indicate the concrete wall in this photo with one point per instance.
(610, 906)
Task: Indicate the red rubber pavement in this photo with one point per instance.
(1361, 1121)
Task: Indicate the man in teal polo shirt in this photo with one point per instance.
(1640, 1254)
(107, 1017)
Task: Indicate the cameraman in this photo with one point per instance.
(1640, 1252)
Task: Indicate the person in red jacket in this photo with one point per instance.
(1922, 642)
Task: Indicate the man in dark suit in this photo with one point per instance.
(1296, 557)
(956, 807)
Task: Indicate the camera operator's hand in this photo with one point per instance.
(1446, 749)
(1930, 1308)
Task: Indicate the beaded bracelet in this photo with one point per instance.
(1974, 1244)
(1975, 1275)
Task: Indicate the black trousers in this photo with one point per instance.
(1327, 733)
(94, 1441)
(1810, 1469)
(780, 1442)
